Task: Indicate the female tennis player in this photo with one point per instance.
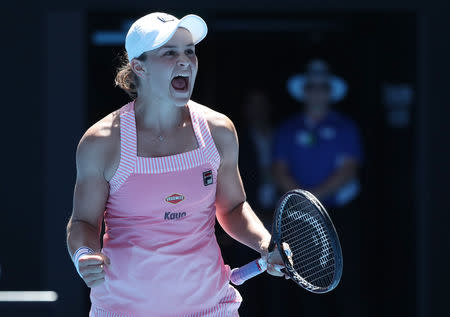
(159, 170)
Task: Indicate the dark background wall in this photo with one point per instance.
(49, 99)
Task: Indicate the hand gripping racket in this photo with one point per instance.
(308, 244)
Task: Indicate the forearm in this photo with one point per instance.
(287, 183)
(283, 178)
(81, 233)
(243, 225)
(340, 177)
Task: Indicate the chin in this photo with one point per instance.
(181, 103)
(180, 99)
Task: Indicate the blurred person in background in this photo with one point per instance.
(319, 149)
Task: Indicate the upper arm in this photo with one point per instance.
(281, 145)
(91, 188)
(230, 190)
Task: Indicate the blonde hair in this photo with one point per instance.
(126, 79)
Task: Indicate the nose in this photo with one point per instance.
(183, 61)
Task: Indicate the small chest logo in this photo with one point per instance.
(207, 178)
(174, 198)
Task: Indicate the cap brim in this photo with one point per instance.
(296, 84)
(195, 25)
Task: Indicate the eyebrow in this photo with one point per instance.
(174, 46)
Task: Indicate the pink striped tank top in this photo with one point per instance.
(159, 217)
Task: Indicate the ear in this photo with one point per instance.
(138, 68)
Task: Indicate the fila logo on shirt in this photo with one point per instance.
(208, 178)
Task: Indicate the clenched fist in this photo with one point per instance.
(275, 264)
(91, 268)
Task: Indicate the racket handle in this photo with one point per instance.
(243, 273)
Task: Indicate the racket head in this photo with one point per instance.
(301, 221)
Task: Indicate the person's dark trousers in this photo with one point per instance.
(348, 297)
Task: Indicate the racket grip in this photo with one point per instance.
(240, 275)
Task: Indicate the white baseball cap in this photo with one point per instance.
(155, 29)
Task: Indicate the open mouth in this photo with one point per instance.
(180, 83)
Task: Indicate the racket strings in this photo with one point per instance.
(305, 249)
(307, 256)
(304, 261)
(313, 256)
(308, 235)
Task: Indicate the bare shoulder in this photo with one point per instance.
(99, 143)
(222, 130)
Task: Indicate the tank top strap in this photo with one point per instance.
(128, 147)
(203, 134)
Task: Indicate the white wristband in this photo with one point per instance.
(78, 253)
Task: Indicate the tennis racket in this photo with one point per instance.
(308, 244)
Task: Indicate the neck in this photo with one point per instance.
(157, 114)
